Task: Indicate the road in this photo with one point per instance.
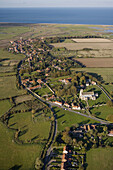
(104, 92)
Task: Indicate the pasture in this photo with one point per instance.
(102, 111)
(5, 105)
(31, 129)
(23, 98)
(11, 32)
(8, 87)
(101, 99)
(16, 156)
(67, 119)
(105, 73)
(101, 158)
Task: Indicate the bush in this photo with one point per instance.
(110, 103)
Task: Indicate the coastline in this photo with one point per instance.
(19, 24)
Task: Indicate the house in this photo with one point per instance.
(87, 84)
(110, 133)
(58, 103)
(25, 81)
(46, 75)
(93, 83)
(64, 158)
(87, 95)
(39, 81)
(51, 97)
(75, 107)
(66, 81)
(66, 104)
(35, 87)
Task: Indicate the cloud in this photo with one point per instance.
(56, 3)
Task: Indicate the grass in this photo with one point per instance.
(101, 158)
(105, 73)
(102, 98)
(6, 70)
(4, 54)
(8, 87)
(5, 105)
(11, 32)
(39, 128)
(109, 88)
(12, 154)
(21, 106)
(22, 98)
(102, 112)
(67, 119)
(7, 74)
(43, 91)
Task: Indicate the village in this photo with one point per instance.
(79, 140)
(52, 81)
(40, 67)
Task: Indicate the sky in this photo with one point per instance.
(56, 3)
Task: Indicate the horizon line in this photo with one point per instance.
(62, 7)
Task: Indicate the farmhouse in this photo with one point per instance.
(87, 95)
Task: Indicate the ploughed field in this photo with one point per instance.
(96, 62)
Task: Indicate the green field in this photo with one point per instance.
(21, 106)
(7, 74)
(23, 98)
(8, 87)
(11, 32)
(100, 159)
(67, 119)
(109, 88)
(5, 105)
(33, 129)
(14, 155)
(43, 91)
(105, 73)
(102, 111)
(101, 99)
(4, 54)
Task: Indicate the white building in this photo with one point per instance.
(87, 95)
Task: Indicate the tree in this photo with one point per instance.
(110, 103)
(105, 128)
(74, 142)
(33, 111)
(39, 164)
(66, 138)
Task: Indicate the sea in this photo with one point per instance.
(94, 16)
